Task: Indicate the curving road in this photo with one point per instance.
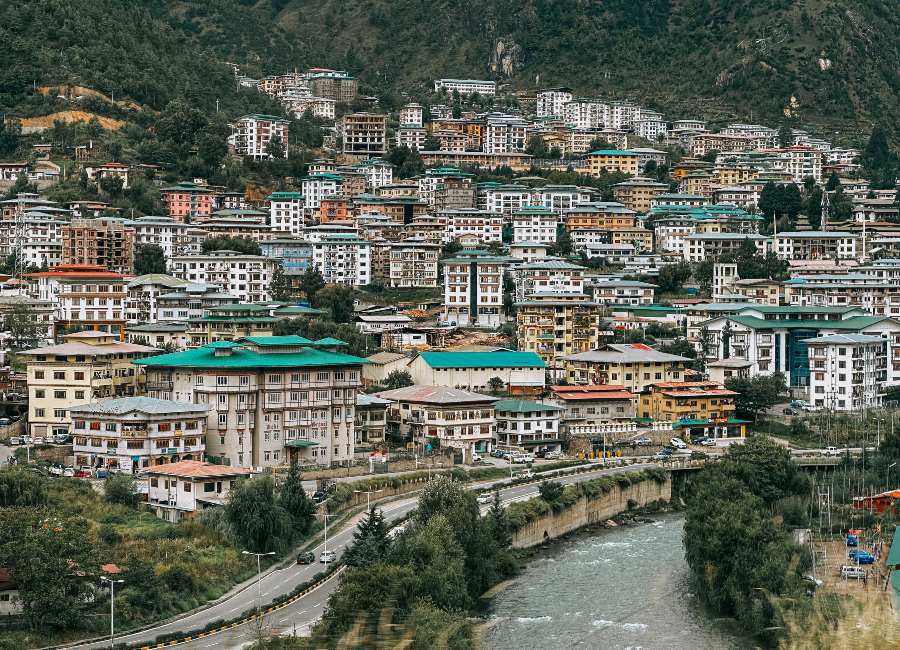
(304, 612)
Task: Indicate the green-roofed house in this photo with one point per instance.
(230, 322)
(774, 339)
(528, 425)
(272, 399)
(522, 373)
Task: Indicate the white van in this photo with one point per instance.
(849, 571)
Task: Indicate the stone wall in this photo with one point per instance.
(587, 511)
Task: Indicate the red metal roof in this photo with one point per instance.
(198, 469)
(77, 271)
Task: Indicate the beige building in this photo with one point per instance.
(638, 193)
(413, 263)
(87, 366)
(365, 134)
(633, 366)
(178, 490)
(382, 364)
(105, 242)
(521, 373)
(613, 160)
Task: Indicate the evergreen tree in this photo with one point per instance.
(498, 521)
(311, 282)
(833, 182)
(370, 540)
(280, 288)
(149, 258)
(878, 161)
(293, 499)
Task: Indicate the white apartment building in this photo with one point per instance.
(534, 224)
(248, 277)
(466, 86)
(413, 263)
(504, 134)
(86, 297)
(584, 239)
(480, 305)
(816, 245)
(271, 399)
(251, 135)
(142, 301)
(689, 125)
(614, 291)
(800, 162)
(300, 103)
(585, 113)
(174, 237)
(503, 198)
(130, 434)
(42, 242)
(621, 115)
(486, 226)
(287, 212)
(710, 245)
(847, 372)
(411, 115)
(550, 102)
(560, 198)
(650, 125)
(343, 259)
(319, 186)
(522, 424)
(378, 173)
(551, 276)
(411, 137)
(192, 300)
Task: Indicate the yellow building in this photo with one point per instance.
(599, 216)
(635, 366)
(87, 366)
(636, 193)
(641, 238)
(557, 326)
(734, 175)
(613, 160)
(672, 401)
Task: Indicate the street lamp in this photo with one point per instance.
(325, 515)
(258, 575)
(112, 608)
(887, 475)
(368, 494)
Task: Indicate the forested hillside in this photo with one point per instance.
(832, 62)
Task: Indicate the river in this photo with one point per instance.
(626, 587)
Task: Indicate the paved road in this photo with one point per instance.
(304, 612)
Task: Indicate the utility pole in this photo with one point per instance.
(258, 576)
(325, 515)
(368, 494)
(112, 608)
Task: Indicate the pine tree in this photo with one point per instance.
(295, 502)
(281, 285)
(370, 540)
(498, 520)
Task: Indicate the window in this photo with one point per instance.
(154, 482)
(274, 379)
(244, 380)
(241, 419)
(223, 401)
(110, 426)
(38, 413)
(59, 413)
(223, 419)
(38, 374)
(187, 486)
(39, 394)
(79, 394)
(295, 378)
(59, 374)
(221, 381)
(164, 426)
(59, 394)
(198, 380)
(209, 487)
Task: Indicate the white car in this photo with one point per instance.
(831, 451)
(476, 457)
(678, 443)
(327, 556)
(484, 497)
(709, 442)
(15, 440)
(552, 455)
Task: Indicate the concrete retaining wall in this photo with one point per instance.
(587, 511)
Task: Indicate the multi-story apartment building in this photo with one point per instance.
(318, 186)
(186, 202)
(550, 276)
(598, 413)
(411, 115)
(800, 162)
(848, 372)
(190, 301)
(174, 237)
(333, 84)
(502, 198)
(142, 300)
(466, 86)
(534, 224)
(562, 198)
(693, 405)
(411, 137)
(131, 434)
(378, 173)
(551, 101)
(343, 259)
(41, 244)
(271, 399)
(600, 215)
(635, 366)
(816, 245)
(486, 226)
(613, 160)
(364, 134)
(504, 134)
(287, 212)
(556, 326)
(85, 367)
(371, 419)
(638, 193)
(248, 277)
(413, 262)
(710, 245)
(260, 137)
(651, 126)
(612, 291)
(87, 297)
(584, 113)
(106, 242)
(473, 289)
(522, 424)
(230, 322)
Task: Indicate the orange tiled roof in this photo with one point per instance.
(198, 469)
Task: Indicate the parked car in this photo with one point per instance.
(69, 472)
(831, 451)
(101, 473)
(476, 457)
(708, 442)
(327, 556)
(307, 557)
(861, 557)
(62, 438)
(15, 440)
(319, 496)
(811, 408)
(678, 443)
(789, 411)
(526, 458)
(852, 540)
(643, 441)
(55, 469)
(798, 403)
(663, 454)
(37, 440)
(496, 453)
(849, 571)
(553, 455)
(484, 497)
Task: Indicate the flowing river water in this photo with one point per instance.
(627, 587)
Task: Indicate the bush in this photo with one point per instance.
(109, 535)
(120, 489)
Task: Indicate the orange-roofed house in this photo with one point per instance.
(180, 490)
(699, 406)
(87, 297)
(877, 502)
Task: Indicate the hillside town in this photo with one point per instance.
(484, 278)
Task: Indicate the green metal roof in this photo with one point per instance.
(893, 558)
(299, 309)
(300, 443)
(274, 341)
(524, 406)
(853, 323)
(482, 359)
(612, 152)
(329, 341)
(205, 357)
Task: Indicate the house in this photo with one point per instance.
(86, 366)
(457, 419)
(164, 336)
(521, 373)
(634, 365)
(528, 251)
(613, 291)
(273, 399)
(382, 364)
(698, 407)
(191, 300)
(230, 322)
(131, 434)
(522, 424)
(10, 602)
(595, 414)
(371, 419)
(378, 324)
(179, 490)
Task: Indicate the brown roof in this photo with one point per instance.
(6, 580)
(198, 469)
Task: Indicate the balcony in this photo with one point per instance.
(159, 385)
